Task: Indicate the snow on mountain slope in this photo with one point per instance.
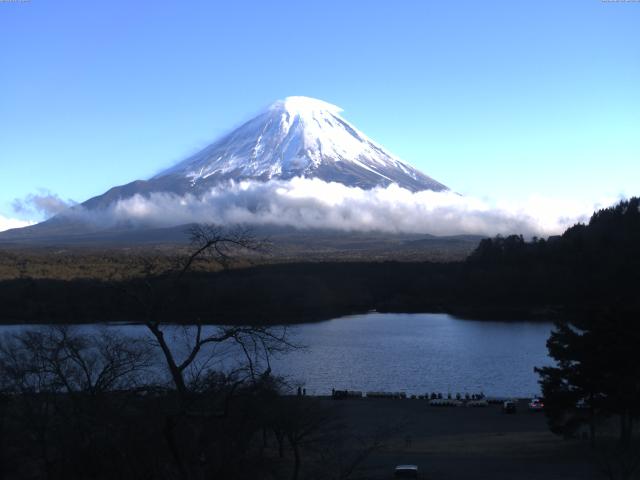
(295, 137)
(298, 136)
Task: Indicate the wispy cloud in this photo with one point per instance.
(43, 204)
(312, 203)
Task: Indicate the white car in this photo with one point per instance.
(406, 471)
(536, 405)
(509, 406)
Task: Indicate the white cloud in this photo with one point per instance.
(312, 203)
(9, 223)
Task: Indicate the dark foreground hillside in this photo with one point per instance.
(353, 439)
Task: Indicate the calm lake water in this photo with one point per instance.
(414, 353)
(419, 353)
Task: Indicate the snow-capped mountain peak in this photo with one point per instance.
(298, 136)
(304, 106)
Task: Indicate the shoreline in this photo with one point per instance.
(474, 314)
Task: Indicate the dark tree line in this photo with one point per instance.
(589, 265)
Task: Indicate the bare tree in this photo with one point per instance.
(257, 343)
(59, 359)
(189, 363)
(215, 243)
(64, 386)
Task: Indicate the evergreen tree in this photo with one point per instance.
(597, 368)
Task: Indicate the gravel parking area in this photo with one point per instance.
(463, 442)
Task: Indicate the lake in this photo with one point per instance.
(414, 353)
(419, 353)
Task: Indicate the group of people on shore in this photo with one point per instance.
(458, 396)
(428, 396)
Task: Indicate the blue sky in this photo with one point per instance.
(505, 100)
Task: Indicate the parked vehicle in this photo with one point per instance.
(406, 471)
(445, 403)
(509, 406)
(582, 404)
(477, 403)
(536, 405)
(345, 394)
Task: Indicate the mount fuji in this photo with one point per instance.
(294, 138)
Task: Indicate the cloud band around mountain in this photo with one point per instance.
(312, 203)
